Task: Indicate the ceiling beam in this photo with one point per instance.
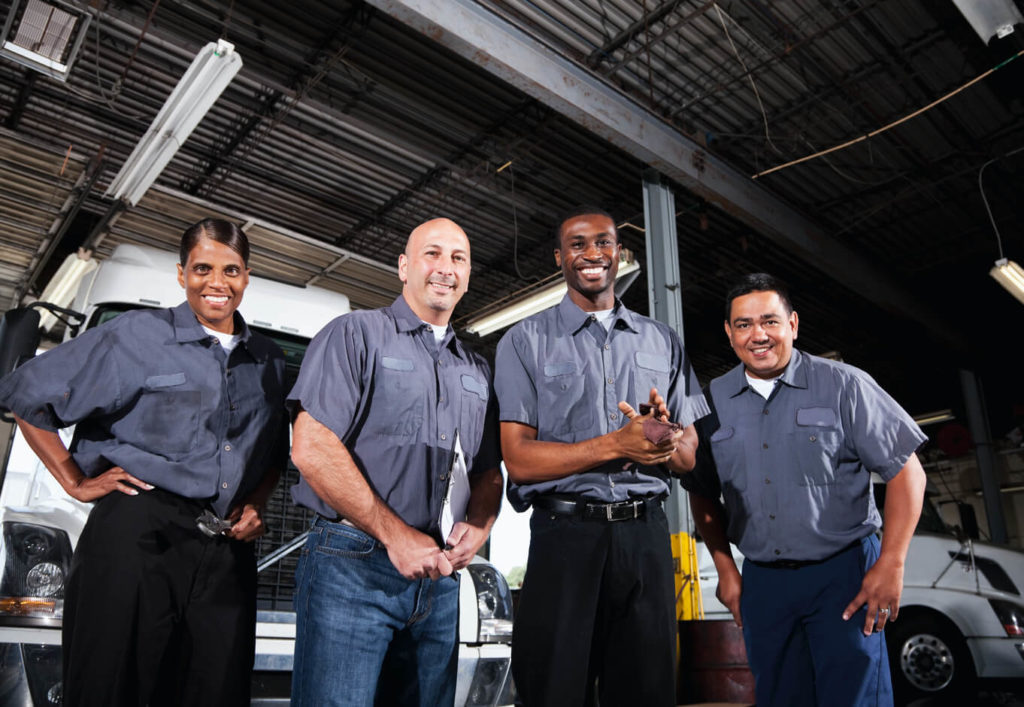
(489, 41)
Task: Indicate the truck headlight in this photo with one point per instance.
(35, 561)
(1011, 616)
(494, 604)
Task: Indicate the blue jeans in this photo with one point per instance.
(364, 633)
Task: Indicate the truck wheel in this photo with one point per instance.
(928, 658)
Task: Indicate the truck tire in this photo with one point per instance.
(928, 658)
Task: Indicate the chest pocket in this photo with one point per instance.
(399, 398)
(167, 414)
(652, 371)
(816, 442)
(472, 412)
(562, 404)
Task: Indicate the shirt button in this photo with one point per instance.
(767, 481)
(612, 484)
(214, 340)
(813, 438)
(765, 412)
(611, 380)
(227, 447)
(765, 445)
(224, 485)
(440, 363)
(440, 400)
(778, 552)
(443, 436)
(234, 406)
(613, 416)
(771, 516)
(607, 346)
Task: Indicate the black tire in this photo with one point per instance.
(929, 659)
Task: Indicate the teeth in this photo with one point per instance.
(216, 299)
(592, 271)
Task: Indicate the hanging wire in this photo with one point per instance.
(515, 222)
(893, 124)
(984, 199)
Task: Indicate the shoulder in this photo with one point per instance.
(842, 375)
(646, 325)
(261, 344)
(532, 329)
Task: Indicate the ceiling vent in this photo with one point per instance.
(45, 36)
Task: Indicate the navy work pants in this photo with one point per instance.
(799, 648)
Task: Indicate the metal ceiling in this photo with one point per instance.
(351, 122)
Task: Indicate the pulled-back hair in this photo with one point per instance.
(216, 230)
(758, 282)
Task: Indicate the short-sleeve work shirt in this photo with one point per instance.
(152, 392)
(378, 380)
(794, 471)
(562, 373)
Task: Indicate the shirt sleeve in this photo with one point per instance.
(514, 381)
(703, 479)
(74, 381)
(331, 380)
(686, 402)
(883, 434)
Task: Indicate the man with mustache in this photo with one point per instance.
(596, 615)
(790, 445)
(378, 402)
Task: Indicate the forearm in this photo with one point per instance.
(484, 499)
(529, 460)
(52, 452)
(709, 516)
(904, 495)
(331, 472)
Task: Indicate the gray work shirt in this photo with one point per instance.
(562, 373)
(378, 380)
(153, 393)
(794, 471)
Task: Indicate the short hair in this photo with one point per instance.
(758, 282)
(580, 210)
(218, 230)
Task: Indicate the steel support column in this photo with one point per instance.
(977, 422)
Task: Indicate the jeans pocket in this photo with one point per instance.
(339, 540)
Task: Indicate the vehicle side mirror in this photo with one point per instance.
(19, 337)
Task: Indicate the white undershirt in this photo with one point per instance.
(227, 341)
(604, 316)
(439, 331)
(763, 386)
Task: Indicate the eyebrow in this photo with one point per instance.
(771, 315)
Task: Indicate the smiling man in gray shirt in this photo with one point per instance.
(597, 605)
(790, 447)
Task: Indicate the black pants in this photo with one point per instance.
(155, 611)
(596, 613)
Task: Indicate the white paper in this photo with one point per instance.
(456, 498)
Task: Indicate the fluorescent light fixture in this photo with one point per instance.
(44, 36)
(1010, 276)
(206, 78)
(931, 418)
(533, 302)
(63, 286)
(990, 18)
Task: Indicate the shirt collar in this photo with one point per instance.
(572, 318)
(795, 376)
(187, 327)
(407, 321)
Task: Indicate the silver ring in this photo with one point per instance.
(883, 611)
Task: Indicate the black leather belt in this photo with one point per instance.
(594, 510)
(797, 564)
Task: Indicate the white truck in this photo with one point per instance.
(961, 622)
(40, 524)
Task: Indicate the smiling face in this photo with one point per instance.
(761, 332)
(214, 278)
(435, 270)
(588, 254)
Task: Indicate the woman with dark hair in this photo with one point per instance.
(181, 435)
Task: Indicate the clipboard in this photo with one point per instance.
(456, 495)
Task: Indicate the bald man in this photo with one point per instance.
(377, 405)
